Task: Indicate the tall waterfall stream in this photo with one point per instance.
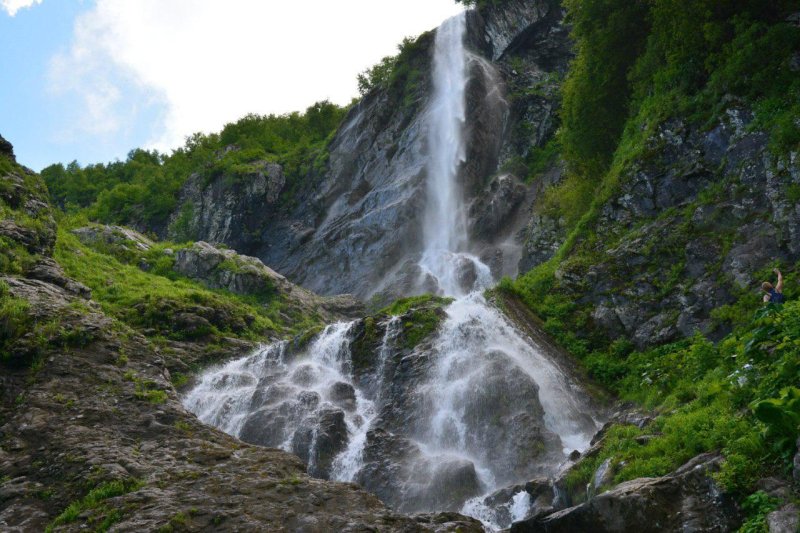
(482, 407)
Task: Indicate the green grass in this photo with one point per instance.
(403, 305)
(155, 300)
(705, 396)
(95, 501)
(421, 316)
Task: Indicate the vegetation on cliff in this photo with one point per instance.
(142, 190)
(639, 65)
(142, 289)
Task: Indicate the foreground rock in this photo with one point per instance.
(89, 420)
(89, 416)
(686, 500)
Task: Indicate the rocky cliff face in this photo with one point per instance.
(689, 227)
(354, 226)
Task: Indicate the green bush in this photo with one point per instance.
(95, 501)
(781, 416)
(15, 321)
(641, 62)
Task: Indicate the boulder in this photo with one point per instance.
(343, 395)
(784, 520)
(686, 500)
(46, 269)
(225, 269)
(118, 240)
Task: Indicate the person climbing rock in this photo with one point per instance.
(774, 295)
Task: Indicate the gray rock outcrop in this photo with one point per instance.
(686, 500)
(687, 229)
(228, 211)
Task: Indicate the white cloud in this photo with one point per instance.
(212, 61)
(12, 6)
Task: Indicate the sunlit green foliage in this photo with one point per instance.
(640, 62)
(400, 75)
(610, 35)
(703, 394)
(164, 303)
(142, 190)
(94, 502)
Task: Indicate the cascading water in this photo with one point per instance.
(445, 230)
(478, 407)
(480, 357)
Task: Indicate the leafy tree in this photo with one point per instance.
(142, 190)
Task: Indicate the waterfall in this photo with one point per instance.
(348, 463)
(444, 257)
(481, 406)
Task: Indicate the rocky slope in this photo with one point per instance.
(92, 433)
(695, 223)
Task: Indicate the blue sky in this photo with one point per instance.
(89, 80)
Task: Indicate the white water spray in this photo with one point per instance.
(347, 464)
(445, 257)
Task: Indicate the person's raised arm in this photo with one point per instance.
(779, 286)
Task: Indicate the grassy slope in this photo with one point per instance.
(150, 300)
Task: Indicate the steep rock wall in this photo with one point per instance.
(695, 222)
(354, 225)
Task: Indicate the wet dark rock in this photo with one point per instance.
(396, 471)
(686, 500)
(466, 273)
(330, 440)
(343, 395)
(491, 211)
(515, 436)
(264, 427)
